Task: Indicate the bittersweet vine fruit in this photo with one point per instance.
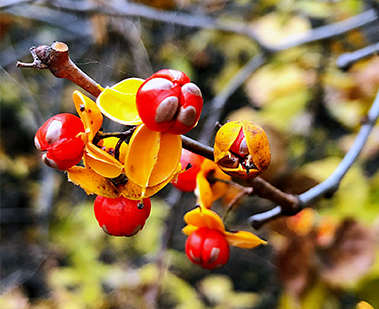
(121, 216)
(168, 101)
(94, 158)
(60, 139)
(242, 149)
(186, 181)
(207, 248)
(200, 218)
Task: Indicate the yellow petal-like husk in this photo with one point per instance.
(204, 217)
(189, 229)
(207, 193)
(240, 172)
(170, 151)
(119, 102)
(142, 155)
(257, 142)
(89, 113)
(364, 305)
(110, 143)
(101, 162)
(92, 182)
(225, 138)
(244, 239)
(203, 191)
(135, 192)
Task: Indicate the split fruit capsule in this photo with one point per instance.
(168, 101)
(207, 248)
(121, 216)
(60, 139)
(242, 149)
(186, 180)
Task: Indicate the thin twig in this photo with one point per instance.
(229, 207)
(218, 102)
(261, 187)
(205, 22)
(8, 3)
(328, 31)
(129, 9)
(174, 200)
(330, 185)
(197, 147)
(56, 59)
(345, 61)
(122, 135)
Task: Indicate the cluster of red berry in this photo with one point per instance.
(167, 101)
(162, 107)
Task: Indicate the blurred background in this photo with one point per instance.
(54, 254)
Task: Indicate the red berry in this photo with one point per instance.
(168, 101)
(58, 136)
(121, 216)
(207, 248)
(186, 181)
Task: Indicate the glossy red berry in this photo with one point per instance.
(207, 248)
(121, 216)
(186, 180)
(59, 138)
(168, 101)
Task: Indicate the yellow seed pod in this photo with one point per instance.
(242, 149)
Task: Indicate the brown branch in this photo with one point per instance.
(290, 203)
(196, 147)
(325, 189)
(56, 59)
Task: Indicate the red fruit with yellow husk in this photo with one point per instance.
(60, 139)
(168, 101)
(242, 149)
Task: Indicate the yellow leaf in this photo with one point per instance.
(119, 102)
(92, 182)
(244, 239)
